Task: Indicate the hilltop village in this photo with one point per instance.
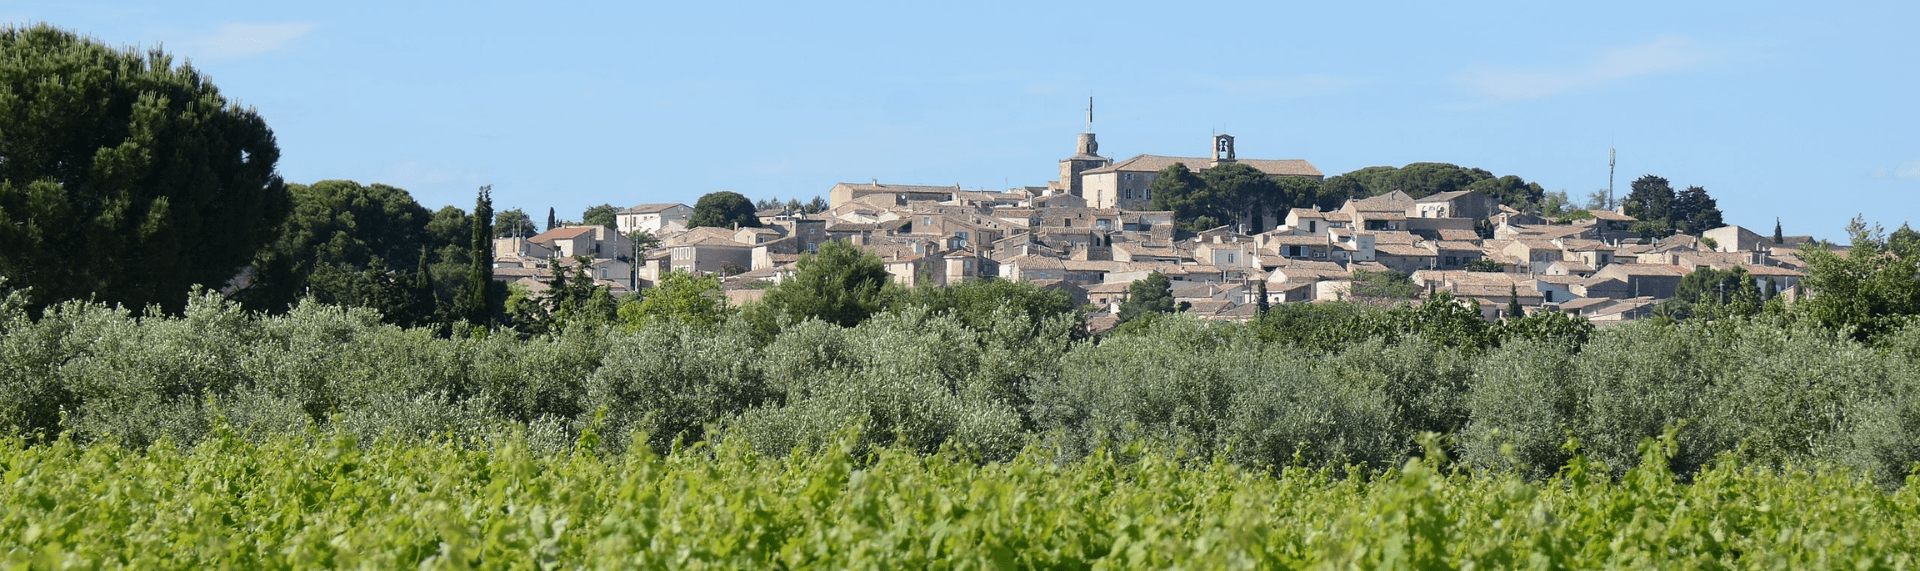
(1092, 233)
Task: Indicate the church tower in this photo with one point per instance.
(1086, 157)
(1222, 149)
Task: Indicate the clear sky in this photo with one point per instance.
(1805, 111)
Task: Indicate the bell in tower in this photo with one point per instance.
(1222, 149)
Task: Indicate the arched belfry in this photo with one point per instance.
(1222, 149)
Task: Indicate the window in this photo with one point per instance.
(1313, 225)
(1129, 194)
(1230, 259)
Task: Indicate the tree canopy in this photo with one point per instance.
(340, 229)
(841, 284)
(1871, 290)
(126, 179)
(603, 215)
(1662, 212)
(1149, 295)
(513, 222)
(723, 209)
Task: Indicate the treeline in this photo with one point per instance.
(1234, 193)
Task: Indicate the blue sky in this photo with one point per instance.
(1803, 111)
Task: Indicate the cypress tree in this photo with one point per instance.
(1777, 237)
(479, 303)
(1264, 305)
(1514, 311)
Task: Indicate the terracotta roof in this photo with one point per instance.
(1444, 196)
(1610, 215)
(652, 208)
(1402, 250)
(712, 243)
(908, 188)
(562, 233)
(1154, 163)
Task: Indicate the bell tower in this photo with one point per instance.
(1222, 149)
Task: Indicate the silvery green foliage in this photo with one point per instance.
(669, 379)
(1883, 436)
(903, 378)
(1214, 388)
(138, 381)
(1522, 409)
(1422, 383)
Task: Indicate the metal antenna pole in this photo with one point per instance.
(1609, 204)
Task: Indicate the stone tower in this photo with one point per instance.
(1086, 157)
(1222, 149)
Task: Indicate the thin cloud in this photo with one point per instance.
(1672, 54)
(236, 40)
(1909, 170)
(1315, 85)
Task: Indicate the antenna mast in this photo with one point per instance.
(1609, 203)
(1089, 113)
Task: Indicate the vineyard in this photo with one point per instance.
(329, 501)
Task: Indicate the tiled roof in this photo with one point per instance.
(1443, 196)
(1154, 163)
(652, 208)
(562, 233)
(1402, 250)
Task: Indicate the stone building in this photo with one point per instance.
(1125, 184)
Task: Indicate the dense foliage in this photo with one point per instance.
(1314, 385)
(724, 209)
(123, 177)
(327, 500)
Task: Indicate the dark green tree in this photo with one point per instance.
(1515, 192)
(1779, 238)
(552, 221)
(1713, 294)
(480, 299)
(123, 177)
(1651, 202)
(1149, 295)
(1488, 265)
(1694, 211)
(1296, 192)
(816, 205)
(841, 284)
(1178, 190)
(1242, 195)
(343, 227)
(1336, 191)
(603, 215)
(1260, 293)
(513, 223)
(723, 209)
(1514, 310)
